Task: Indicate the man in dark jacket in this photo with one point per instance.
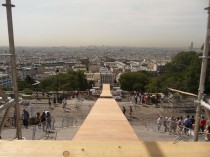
(25, 116)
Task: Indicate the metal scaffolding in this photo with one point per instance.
(9, 6)
(202, 79)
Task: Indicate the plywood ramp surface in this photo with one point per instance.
(105, 122)
(106, 91)
(102, 149)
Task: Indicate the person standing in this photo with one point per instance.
(136, 99)
(187, 124)
(54, 100)
(179, 124)
(131, 110)
(159, 122)
(49, 102)
(124, 110)
(207, 131)
(193, 122)
(25, 116)
(43, 120)
(64, 103)
(165, 124)
(202, 124)
(48, 121)
(172, 124)
(38, 120)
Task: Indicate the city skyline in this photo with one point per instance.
(139, 23)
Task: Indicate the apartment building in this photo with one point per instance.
(5, 81)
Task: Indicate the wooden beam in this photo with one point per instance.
(102, 149)
(106, 91)
(182, 92)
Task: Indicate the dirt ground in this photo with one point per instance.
(143, 118)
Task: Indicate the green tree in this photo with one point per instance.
(134, 81)
(27, 84)
(65, 81)
(183, 72)
(29, 79)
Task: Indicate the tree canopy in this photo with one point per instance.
(27, 84)
(65, 81)
(134, 81)
(182, 73)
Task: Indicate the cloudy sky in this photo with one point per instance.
(142, 23)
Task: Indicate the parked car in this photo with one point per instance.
(117, 98)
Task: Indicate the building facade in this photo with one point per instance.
(106, 77)
(5, 81)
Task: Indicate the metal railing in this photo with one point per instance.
(179, 132)
(47, 131)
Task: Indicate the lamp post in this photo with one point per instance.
(57, 71)
(157, 88)
(36, 84)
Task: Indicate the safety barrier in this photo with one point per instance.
(179, 132)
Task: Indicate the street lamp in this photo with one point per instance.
(57, 71)
(36, 84)
(202, 79)
(157, 88)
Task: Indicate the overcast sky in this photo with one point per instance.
(142, 23)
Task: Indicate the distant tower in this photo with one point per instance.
(191, 46)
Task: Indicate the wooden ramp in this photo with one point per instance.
(106, 122)
(106, 93)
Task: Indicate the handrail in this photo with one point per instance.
(47, 130)
(7, 104)
(180, 130)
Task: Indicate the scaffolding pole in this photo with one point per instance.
(202, 79)
(9, 6)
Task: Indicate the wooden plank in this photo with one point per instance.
(106, 91)
(106, 122)
(182, 92)
(102, 149)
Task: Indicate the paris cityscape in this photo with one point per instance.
(41, 62)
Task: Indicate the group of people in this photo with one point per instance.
(141, 98)
(64, 103)
(184, 124)
(43, 119)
